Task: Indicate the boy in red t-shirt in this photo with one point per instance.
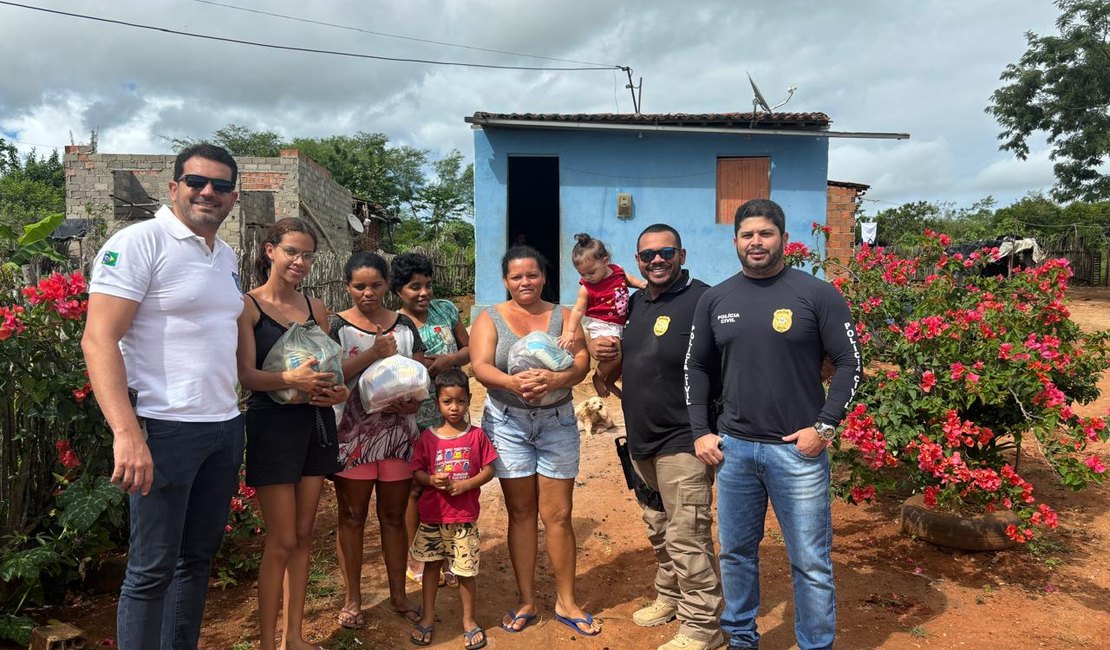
(455, 461)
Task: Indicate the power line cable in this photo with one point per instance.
(397, 36)
(309, 50)
(33, 144)
(1062, 225)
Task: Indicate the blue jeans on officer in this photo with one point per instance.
(798, 489)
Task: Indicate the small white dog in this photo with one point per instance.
(592, 416)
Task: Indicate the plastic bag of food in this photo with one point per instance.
(390, 379)
(298, 345)
(538, 350)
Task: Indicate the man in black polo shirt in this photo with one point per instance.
(662, 447)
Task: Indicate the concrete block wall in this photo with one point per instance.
(262, 174)
(328, 201)
(292, 177)
(90, 181)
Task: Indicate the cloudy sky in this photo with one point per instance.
(926, 67)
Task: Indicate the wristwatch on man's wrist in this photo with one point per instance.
(826, 432)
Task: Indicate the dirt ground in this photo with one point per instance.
(893, 591)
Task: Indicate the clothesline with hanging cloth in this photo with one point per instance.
(868, 231)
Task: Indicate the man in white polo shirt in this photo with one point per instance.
(163, 304)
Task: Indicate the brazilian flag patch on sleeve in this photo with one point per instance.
(110, 258)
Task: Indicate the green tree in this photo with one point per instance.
(972, 223)
(1036, 215)
(902, 226)
(366, 164)
(31, 188)
(9, 156)
(1061, 87)
(449, 196)
(239, 141)
(1029, 215)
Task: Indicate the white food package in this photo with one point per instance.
(390, 379)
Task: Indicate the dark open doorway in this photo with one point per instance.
(534, 212)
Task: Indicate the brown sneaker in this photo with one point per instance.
(683, 642)
(657, 613)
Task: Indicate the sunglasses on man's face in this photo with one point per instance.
(198, 182)
(648, 254)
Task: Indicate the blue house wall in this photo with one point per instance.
(672, 177)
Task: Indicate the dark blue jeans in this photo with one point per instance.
(798, 488)
(176, 530)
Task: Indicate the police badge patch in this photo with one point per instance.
(782, 320)
(661, 325)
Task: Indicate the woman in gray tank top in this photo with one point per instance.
(537, 446)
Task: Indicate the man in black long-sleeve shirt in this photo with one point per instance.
(763, 333)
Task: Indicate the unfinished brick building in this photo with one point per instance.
(124, 188)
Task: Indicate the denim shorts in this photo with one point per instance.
(531, 441)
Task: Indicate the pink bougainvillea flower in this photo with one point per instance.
(928, 381)
(861, 494)
(10, 321)
(795, 248)
(930, 496)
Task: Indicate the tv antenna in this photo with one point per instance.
(635, 89)
(760, 102)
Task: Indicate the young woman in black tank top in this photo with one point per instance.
(290, 447)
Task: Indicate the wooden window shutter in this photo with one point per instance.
(740, 180)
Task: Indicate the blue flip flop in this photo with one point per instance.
(573, 623)
(527, 618)
(425, 631)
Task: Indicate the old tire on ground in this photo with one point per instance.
(985, 532)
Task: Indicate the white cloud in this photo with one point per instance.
(1011, 174)
(926, 67)
(893, 167)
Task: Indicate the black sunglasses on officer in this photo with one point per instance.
(648, 254)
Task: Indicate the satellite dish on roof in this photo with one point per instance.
(355, 224)
(789, 93)
(759, 101)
